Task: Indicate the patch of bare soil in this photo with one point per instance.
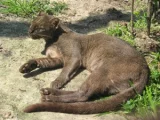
(18, 91)
(146, 44)
(87, 16)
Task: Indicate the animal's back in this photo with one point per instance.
(106, 51)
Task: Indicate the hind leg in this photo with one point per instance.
(56, 92)
(93, 85)
(48, 93)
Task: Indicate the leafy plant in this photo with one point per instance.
(140, 22)
(58, 7)
(154, 64)
(145, 103)
(120, 31)
(149, 100)
(28, 8)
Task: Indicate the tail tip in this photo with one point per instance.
(28, 109)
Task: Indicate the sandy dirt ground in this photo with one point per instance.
(17, 90)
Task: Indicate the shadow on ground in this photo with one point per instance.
(20, 29)
(13, 29)
(97, 21)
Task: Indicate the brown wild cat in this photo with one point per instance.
(116, 68)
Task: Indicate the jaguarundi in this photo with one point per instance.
(116, 68)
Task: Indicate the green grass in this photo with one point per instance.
(29, 8)
(121, 32)
(140, 20)
(149, 100)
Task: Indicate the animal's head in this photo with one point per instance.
(43, 26)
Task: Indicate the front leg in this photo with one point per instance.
(70, 68)
(40, 63)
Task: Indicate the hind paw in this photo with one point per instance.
(47, 98)
(46, 91)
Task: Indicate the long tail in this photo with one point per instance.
(92, 107)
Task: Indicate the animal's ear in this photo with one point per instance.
(55, 22)
(41, 14)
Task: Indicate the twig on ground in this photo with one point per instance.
(132, 22)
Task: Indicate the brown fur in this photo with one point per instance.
(116, 68)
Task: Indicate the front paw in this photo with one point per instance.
(56, 84)
(28, 67)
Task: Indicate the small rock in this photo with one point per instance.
(7, 115)
(144, 36)
(147, 45)
(71, 13)
(125, 0)
(35, 78)
(1, 46)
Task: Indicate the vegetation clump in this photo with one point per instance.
(29, 8)
(149, 100)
